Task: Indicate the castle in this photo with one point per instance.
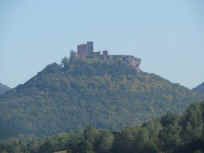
(87, 50)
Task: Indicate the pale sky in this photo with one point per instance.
(168, 35)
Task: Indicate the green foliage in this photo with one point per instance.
(106, 94)
(65, 62)
(166, 134)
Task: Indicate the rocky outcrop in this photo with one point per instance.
(130, 60)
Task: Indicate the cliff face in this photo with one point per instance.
(133, 61)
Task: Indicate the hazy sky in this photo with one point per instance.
(168, 35)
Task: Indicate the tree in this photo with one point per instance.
(170, 137)
(65, 62)
(105, 142)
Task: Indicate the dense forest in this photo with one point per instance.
(90, 91)
(3, 89)
(169, 134)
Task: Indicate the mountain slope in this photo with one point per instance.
(199, 89)
(86, 92)
(3, 89)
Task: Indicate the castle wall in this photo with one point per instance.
(84, 50)
(130, 60)
(90, 46)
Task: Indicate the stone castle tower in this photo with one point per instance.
(85, 50)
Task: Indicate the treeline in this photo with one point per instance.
(169, 134)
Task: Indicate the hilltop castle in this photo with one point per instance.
(87, 50)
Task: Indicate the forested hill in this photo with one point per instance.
(91, 91)
(170, 134)
(199, 89)
(3, 89)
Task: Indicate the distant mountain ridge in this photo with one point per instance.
(107, 94)
(199, 88)
(3, 88)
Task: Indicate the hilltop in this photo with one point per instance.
(88, 91)
(3, 89)
(199, 88)
(107, 93)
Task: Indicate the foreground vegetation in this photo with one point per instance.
(169, 134)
